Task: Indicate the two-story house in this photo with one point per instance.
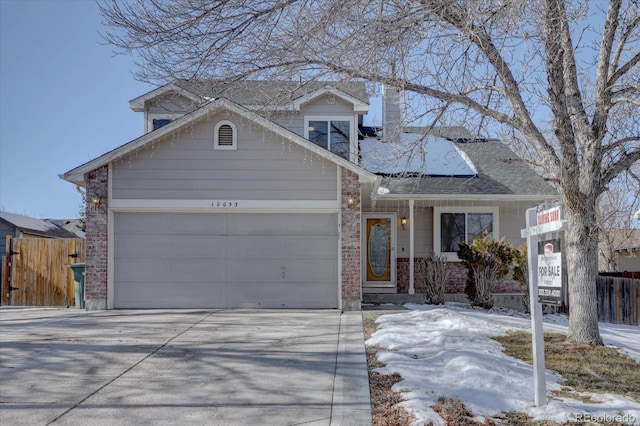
(274, 195)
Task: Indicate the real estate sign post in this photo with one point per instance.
(545, 281)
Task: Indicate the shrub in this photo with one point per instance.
(521, 272)
(434, 272)
(486, 261)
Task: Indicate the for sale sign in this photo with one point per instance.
(549, 272)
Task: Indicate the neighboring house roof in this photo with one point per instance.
(622, 239)
(255, 94)
(500, 174)
(75, 226)
(77, 175)
(628, 249)
(35, 226)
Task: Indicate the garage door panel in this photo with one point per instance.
(254, 247)
(301, 296)
(140, 270)
(196, 224)
(272, 271)
(252, 270)
(153, 223)
(314, 225)
(310, 248)
(286, 247)
(312, 271)
(184, 247)
(134, 294)
(283, 224)
(141, 246)
(207, 271)
(184, 260)
(161, 271)
(253, 225)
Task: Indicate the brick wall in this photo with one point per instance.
(350, 242)
(96, 240)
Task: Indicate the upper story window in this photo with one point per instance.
(159, 122)
(225, 136)
(454, 225)
(333, 134)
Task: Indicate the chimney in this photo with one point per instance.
(392, 113)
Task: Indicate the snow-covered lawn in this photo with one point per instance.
(448, 351)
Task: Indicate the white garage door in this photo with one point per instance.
(181, 260)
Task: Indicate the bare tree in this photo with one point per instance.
(563, 78)
(616, 208)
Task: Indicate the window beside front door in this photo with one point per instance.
(332, 134)
(453, 226)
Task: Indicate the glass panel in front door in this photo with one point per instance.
(378, 250)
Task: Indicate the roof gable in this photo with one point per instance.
(358, 105)
(138, 103)
(77, 174)
(278, 95)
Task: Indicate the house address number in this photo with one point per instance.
(224, 204)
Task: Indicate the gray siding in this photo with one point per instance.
(512, 220)
(264, 167)
(324, 105)
(5, 229)
(511, 217)
(327, 105)
(423, 228)
(170, 104)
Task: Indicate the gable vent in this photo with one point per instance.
(225, 135)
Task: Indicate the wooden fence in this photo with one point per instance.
(618, 300)
(36, 271)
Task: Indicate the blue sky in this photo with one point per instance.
(63, 101)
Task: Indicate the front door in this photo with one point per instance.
(379, 256)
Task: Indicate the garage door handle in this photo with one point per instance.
(284, 272)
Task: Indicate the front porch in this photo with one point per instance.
(397, 235)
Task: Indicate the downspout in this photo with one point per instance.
(412, 289)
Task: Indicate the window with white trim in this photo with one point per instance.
(454, 225)
(225, 136)
(335, 134)
(159, 122)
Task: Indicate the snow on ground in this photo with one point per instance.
(448, 351)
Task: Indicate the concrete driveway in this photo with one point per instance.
(204, 367)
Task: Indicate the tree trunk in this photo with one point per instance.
(581, 240)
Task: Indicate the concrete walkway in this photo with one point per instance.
(166, 367)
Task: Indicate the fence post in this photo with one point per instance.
(6, 273)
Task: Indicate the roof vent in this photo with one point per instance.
(469, 140)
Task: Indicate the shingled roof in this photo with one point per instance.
(500, 172)
(35, 226)
(262, 92)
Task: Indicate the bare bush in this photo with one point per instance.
(434, 272)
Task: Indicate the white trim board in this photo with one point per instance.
(226, 205)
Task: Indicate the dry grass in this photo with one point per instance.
(384, 402)
(593, 369)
